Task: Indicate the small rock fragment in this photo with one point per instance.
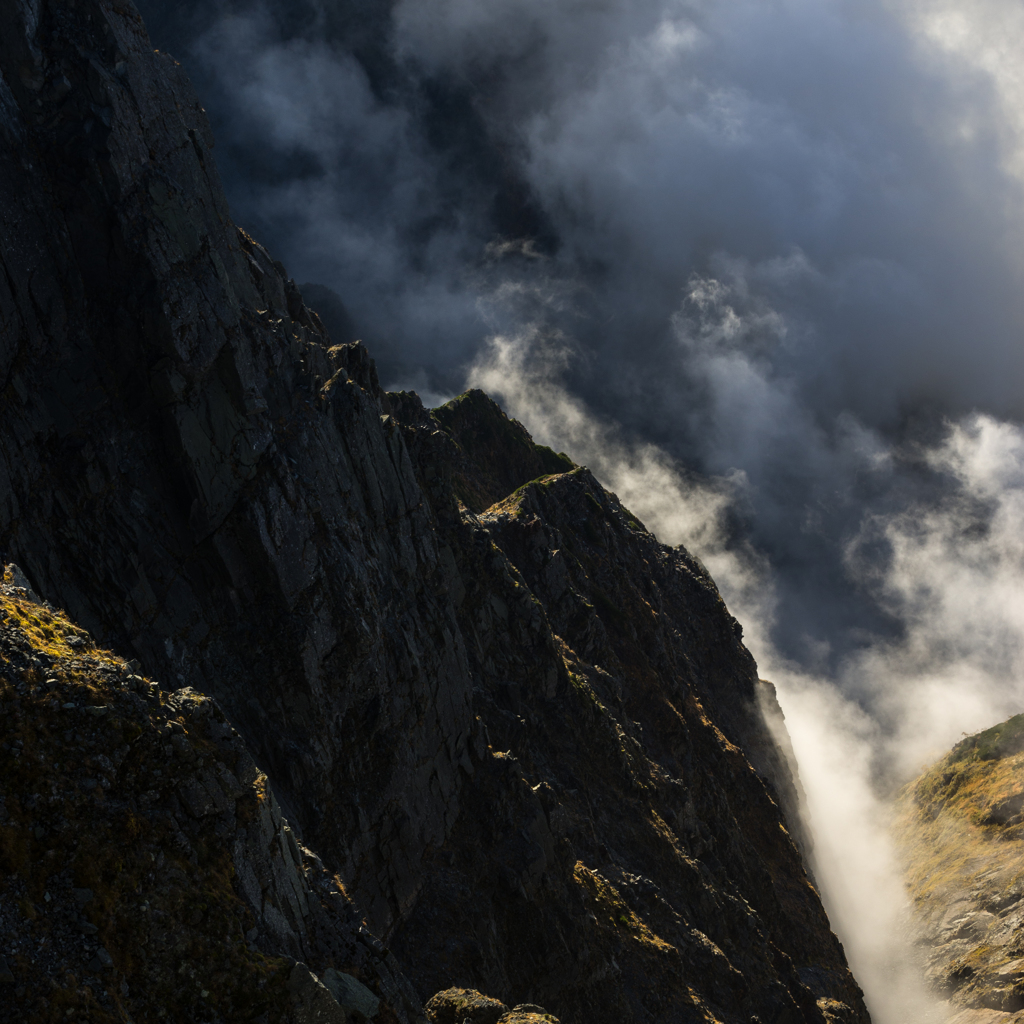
(101, 961)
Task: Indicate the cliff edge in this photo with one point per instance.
(522, 733)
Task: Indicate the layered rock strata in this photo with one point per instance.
(524, 734)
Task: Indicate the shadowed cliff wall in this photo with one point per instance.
(519, 735)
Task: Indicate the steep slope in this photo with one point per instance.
(146, 872)
(961, 832)
(188, 470)
(496, 454)
(645, 874)
(519, 729)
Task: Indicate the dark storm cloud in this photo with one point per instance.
(376, 182)
(757, 262)
(775, 237)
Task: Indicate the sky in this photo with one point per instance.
(759, 263)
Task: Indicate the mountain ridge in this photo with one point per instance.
(524, 735)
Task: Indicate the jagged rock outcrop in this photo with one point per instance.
(960, 830)
(523, 733)
(623, 868)
(146, 871)
(493, 453)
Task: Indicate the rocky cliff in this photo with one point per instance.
(960, 828)
(523, 735)
(148, 871)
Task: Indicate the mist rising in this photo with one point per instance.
(758, 264)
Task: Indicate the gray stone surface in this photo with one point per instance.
(20, 581)
(312, 1003)
(351, 994)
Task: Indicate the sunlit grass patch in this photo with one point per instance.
(611, 910)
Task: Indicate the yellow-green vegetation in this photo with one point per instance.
(611, 910)
(950, 822)
(458, 1005)
(584, 689)
(667, 835)
(999, 741)
(514, 502)
(49, 631)
(165, 911)
(960, 834)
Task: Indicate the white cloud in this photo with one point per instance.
(951, 574)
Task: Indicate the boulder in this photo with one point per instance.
(528, 1013)
(312, 1002)
(455, 1005)
(352, 995)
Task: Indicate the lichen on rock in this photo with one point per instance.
(145, 867)
(960, 833)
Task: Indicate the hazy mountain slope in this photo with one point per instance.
(961, 832)
(523, 739)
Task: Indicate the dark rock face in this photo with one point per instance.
(495, 454)
(194, 476)
(624, 831)
(147, 871)
(524, 734)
